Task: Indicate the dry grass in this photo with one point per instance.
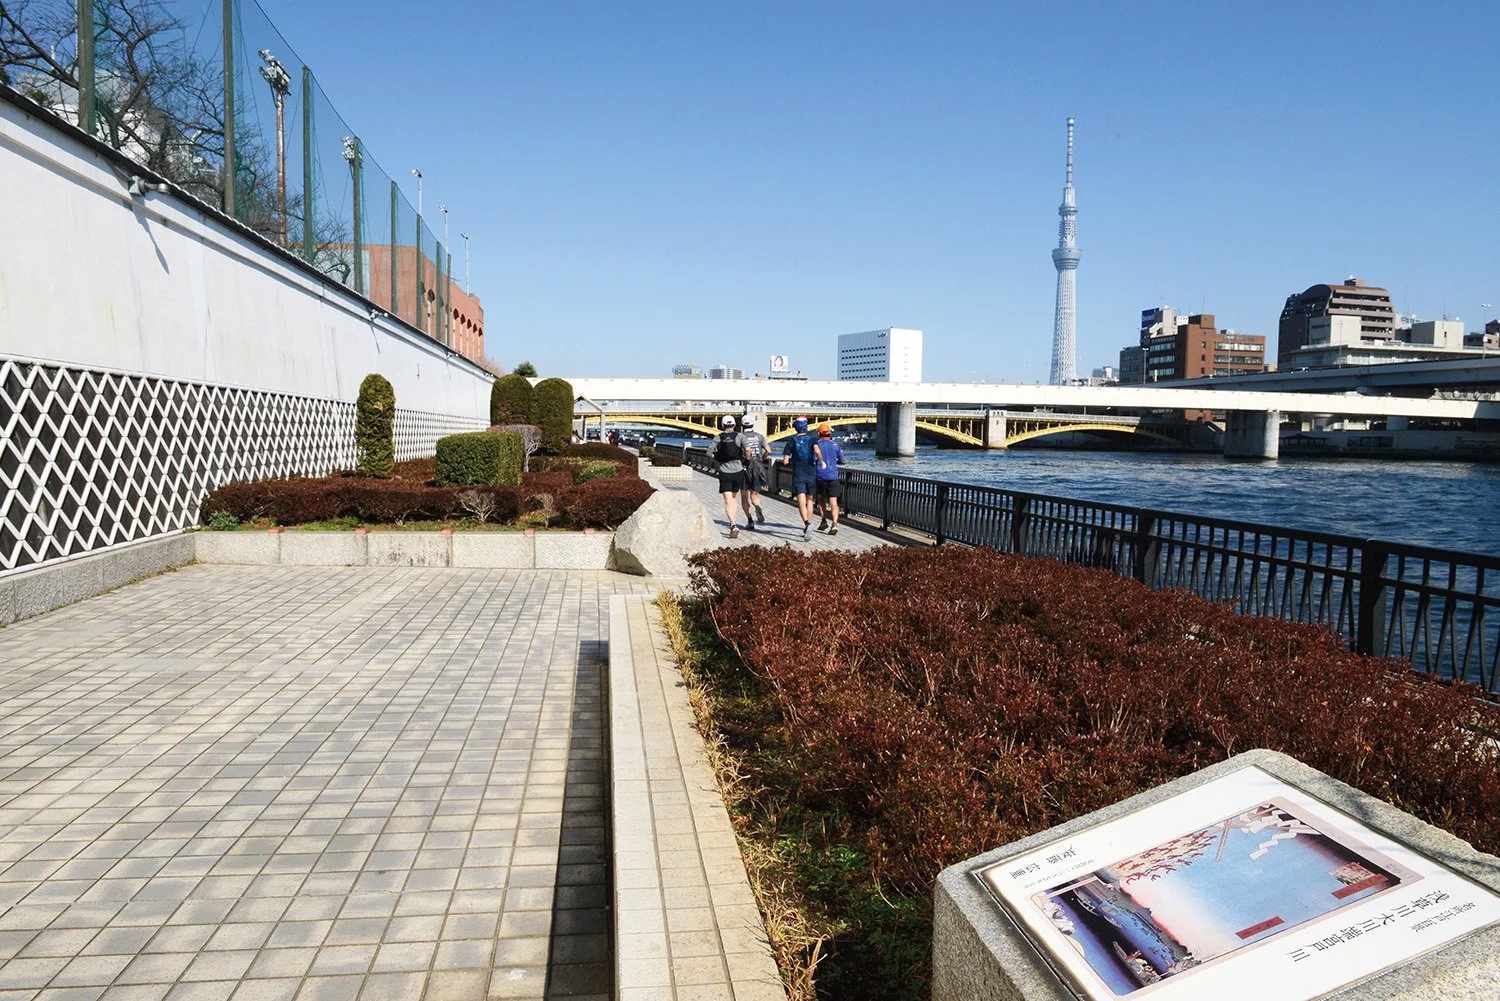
(797, 937)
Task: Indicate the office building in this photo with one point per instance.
(1188, 347)
(688, 371)
(890, 355)
(1370, 305)
(725, 372)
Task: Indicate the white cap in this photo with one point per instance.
(748, 421)
(726, 421)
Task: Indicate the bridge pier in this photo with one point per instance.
(896, 429)
(1252, 434)
(994, 429)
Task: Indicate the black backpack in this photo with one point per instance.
(728, 449)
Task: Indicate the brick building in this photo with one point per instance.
(464, 330)
(1188, 347)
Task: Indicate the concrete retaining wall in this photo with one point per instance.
(586, 550)
(33, 592)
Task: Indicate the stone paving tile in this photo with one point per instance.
(287, 784)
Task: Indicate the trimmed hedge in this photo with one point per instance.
(300, 501)
(961, 699)
(480, 458)
(510, 400)
(602, 503)
(374, 426)
(600, 450)
(552, 411)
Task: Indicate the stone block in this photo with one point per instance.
(143, 559)
(46, 588)
(323, 549)
(656, 539)
(244, 548)
(42, 589)
(573, 550)
(494, 550)
(977, 951)
(409, 549)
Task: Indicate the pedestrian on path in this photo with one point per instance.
(799, 454)
(829, 457)
(757, 449)
(729, 463)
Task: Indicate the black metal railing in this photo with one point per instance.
(1438, 609)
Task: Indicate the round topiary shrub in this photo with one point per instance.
(510, 400)
(374, 426)
(552, 411)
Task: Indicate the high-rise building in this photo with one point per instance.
(1065, 260)
(688, 371)
(890, 355)
(1188, 347)
(725, 372)
(1377, 317)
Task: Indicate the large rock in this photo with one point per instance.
(664, 530)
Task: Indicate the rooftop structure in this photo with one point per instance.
(1377, 317)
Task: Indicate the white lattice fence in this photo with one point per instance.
(91, 459)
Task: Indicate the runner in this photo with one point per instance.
(729, 463)
(829, 457)
(756, 451)
(799, 455)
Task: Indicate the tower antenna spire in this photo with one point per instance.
(1065, 260)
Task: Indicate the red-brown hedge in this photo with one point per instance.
(300, 501)
(954, 700)
(602, 503)
(600, 450)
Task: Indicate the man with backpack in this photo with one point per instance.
(800, 455)
(828, 487)
(729, 463)
(756, 450)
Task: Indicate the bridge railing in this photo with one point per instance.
(1437, 609)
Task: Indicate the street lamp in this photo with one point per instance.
(276, 75)
(418, 175)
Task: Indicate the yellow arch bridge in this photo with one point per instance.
(959, 428)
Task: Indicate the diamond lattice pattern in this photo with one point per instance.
(91, 459)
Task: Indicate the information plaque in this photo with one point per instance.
(1242, 888)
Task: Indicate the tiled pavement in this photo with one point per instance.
(278, 783)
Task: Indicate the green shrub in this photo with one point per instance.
(223, 521)
(599, 450)
(552, 411)
(594, 470)
(480, 459)
(647, 451)
(510, 400)
(374, 426)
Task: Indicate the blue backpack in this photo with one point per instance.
(802, 450)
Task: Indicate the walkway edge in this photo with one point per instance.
(686, 922)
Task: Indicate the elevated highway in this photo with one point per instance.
(1476, 374)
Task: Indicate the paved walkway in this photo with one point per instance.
(783, 524)
(276, 783)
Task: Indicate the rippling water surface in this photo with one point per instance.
(1453, 505)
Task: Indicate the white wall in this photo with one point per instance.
(157, 285)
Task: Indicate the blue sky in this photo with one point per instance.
(649, 183)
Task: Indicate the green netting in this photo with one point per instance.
(302, 178)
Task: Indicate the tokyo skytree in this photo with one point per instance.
(1065, 260)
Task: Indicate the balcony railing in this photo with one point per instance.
(1438, 609)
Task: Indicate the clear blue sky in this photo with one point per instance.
(649, 183)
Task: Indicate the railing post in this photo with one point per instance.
(886, 482)
(229, 170)
(941, 511)
(1369, 631)
(1147, 548)
(87, 107)
(309, 196)
(395, 247)
(1020, 515)
(356, 162)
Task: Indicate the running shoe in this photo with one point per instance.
(834, 530)
(823, 526)
(807, 531)
(734, 531)
(760, 515)
(749, 524)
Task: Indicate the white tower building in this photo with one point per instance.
(1065, 260)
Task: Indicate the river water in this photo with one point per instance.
(1451, 505)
